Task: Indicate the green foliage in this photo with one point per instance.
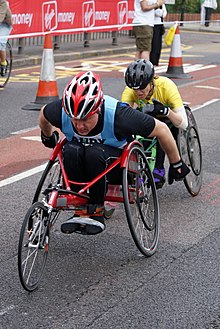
(188, 6)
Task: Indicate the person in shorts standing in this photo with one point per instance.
(5, 30)
(143, 25)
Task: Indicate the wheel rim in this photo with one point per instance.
(51, 177)
(33, 246)
(194, 151)
(191, 153)
(141, 205)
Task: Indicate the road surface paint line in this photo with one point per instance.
(210, 185)
(216, 201)
(24, 130)
(6, 309)
(208, 87)
(198, 107)
(212, 194)
(22, 175)
(195, 68)
(187, 68)
(38, 169)
(32, 138)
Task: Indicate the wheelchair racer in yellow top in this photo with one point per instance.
(157, 96)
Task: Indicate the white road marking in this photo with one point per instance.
(32, 138)
(197, 67)
(186, 67)
(23, 131)
(198, 107)
(6, 309)
(22, 175)
(208, 87)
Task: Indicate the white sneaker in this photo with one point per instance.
(84, 225)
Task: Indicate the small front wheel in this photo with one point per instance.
(33, 246)
(141, 202)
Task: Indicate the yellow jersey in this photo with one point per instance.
(165, 91)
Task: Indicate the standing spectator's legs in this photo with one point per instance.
(5, 30)
(202, 15)
(208, 12)
(143, 35)
(156, 45)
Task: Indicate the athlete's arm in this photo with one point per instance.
(177, 115)
(166, 140)
(50, 115)
(129, 122)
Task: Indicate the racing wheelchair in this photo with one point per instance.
(189, 146)
(54, 196)
(139, 196)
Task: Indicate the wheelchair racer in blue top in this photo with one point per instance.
(97, 128)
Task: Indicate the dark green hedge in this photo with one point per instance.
(189, 6)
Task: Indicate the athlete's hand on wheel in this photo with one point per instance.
(177, 171)
(50, 141)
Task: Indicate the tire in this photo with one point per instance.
(4, 80)
(51, 177)
(33, 246)
(191, 153)
(141, 202)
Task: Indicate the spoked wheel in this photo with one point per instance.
(191, 152)
(51, 177)
(4, 79)
(141, 202)
(33, 246)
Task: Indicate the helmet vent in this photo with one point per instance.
(86, 90)
(74, 89)
(95, 91)
(72, 105)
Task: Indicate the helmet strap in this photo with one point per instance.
(151, 90)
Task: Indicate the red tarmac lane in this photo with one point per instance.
(15, 150)
(203, 87)
(19, 154)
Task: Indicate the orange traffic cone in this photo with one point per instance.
(175, 66)
(47, 87)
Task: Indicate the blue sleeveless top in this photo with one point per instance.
(106, 136)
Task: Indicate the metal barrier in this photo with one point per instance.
(85, 38)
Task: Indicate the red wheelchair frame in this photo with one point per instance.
(54, 195)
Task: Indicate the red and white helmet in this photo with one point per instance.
(83, 95)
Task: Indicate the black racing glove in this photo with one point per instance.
(159, 109)
(51, 141)
(174, 174)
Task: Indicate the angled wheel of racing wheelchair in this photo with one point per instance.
(191, 152)
(51, 177)
(140, 201)
(33, 246)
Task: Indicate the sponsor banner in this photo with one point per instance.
(57, 16)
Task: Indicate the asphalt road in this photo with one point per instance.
(103, 281)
